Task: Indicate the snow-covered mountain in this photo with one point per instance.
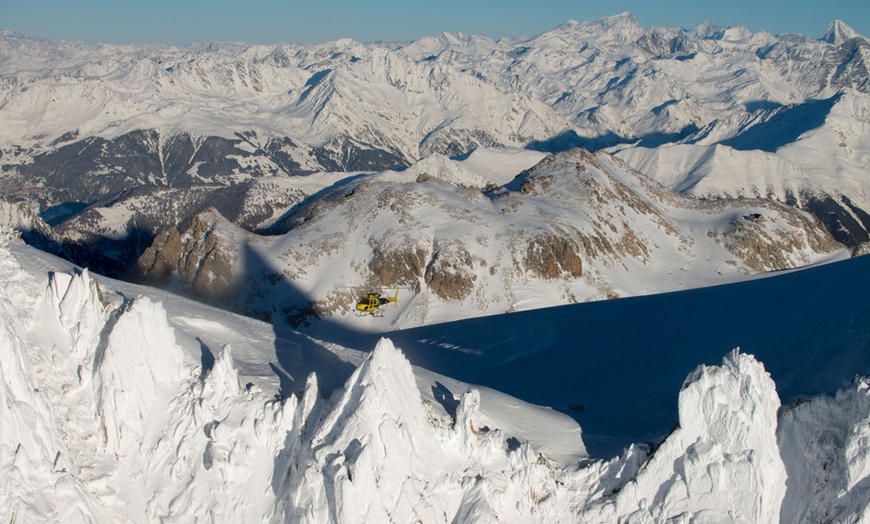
(811, 155)
(283, 180)
(85, 127)
(123, 403)
(573, 228)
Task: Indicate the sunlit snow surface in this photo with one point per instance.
(120, 402)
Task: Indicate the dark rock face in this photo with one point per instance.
(276, 149)
(848, 224)
(449, 273)
(94, 169)
(848, 67)
(250, 203)
(202, 257)
(345, 154)
(456, 142)
(160, 260)
(550, 256)
(400, 267)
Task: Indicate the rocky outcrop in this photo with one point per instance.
(449, 273)
(861, 249)
(776, 240)
(551, 256)
(396, 266)
(203, 258)
(576, 227)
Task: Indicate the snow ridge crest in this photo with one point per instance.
(375, 450)
(839, 32)
(171, 444)
(722, 462)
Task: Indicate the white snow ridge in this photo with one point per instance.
(107, 416)
(722, 463)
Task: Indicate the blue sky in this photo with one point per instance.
(272, 21)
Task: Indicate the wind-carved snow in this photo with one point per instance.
(827, 442)
(722, 462)
(37, 480)
(140, 361)
(101, 404)
(373, 455)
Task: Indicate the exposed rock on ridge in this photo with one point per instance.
(583, 226)
(204, 257)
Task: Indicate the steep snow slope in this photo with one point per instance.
(128, 418)
(813, 155)
(35, 483)
(828, 426)
(573, 228)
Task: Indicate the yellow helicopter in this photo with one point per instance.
(371, 303)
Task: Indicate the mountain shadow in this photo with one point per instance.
(105, 256)
(625, 360)
(570, 139)
(297, 356)
(784, 127)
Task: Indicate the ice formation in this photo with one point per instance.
(106, 418)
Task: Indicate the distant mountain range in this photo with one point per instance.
(114, 146)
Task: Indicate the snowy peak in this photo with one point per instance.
(376, 440)
(839, 32)
(737, 33)
(708, 30)
(728, 418)
(613, 30)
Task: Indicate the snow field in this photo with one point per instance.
(102, 403)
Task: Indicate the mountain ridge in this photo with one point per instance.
(572, 228)
(476, 178)
(118, 145)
